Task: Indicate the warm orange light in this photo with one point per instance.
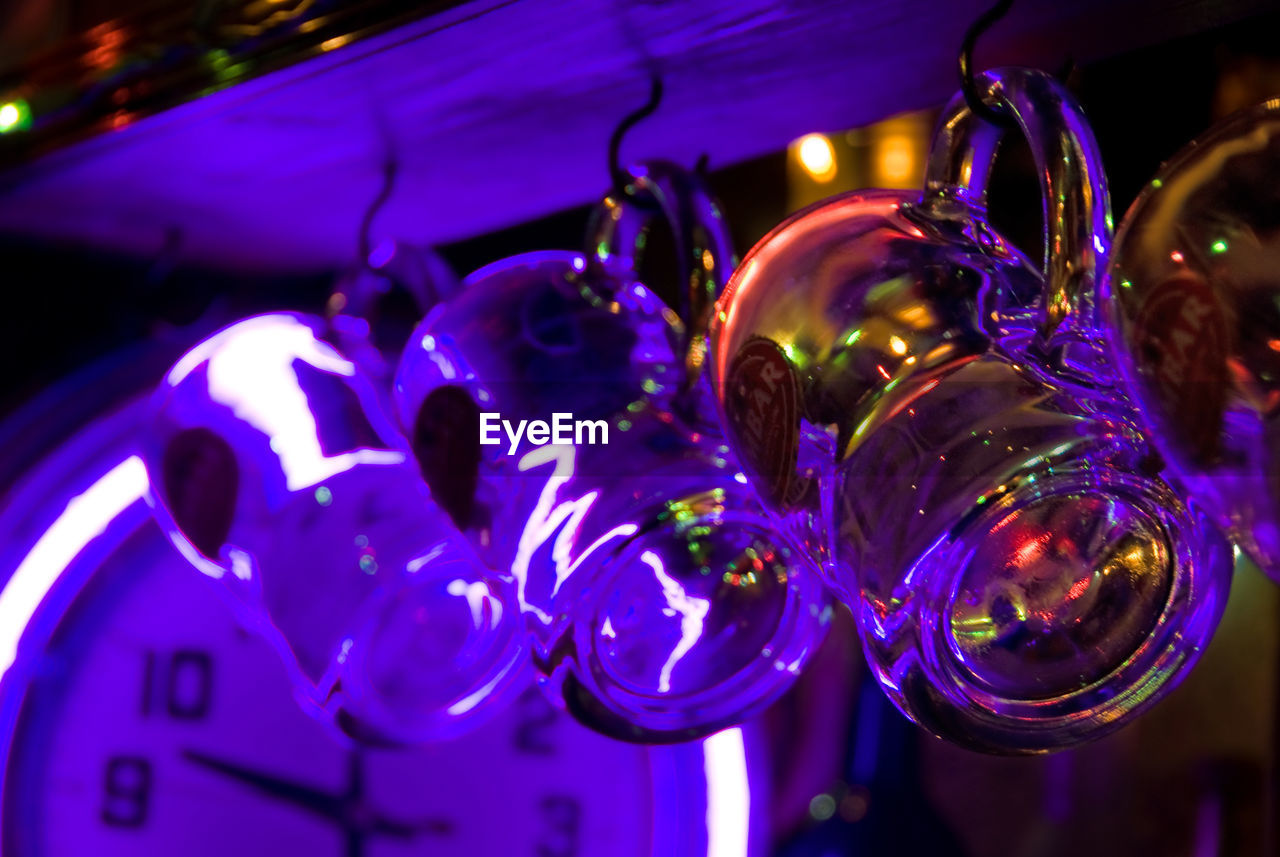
(817, 156)
(897, 161)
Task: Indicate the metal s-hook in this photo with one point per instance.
(968, 87)
(704, 248)
(389, 171)
(617, 174)
(367, 329)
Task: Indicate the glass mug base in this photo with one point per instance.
(1051, 615)
(689, 623)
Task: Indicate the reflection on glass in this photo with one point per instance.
(273, 470)
(662, 603)
(1190, 300)
(912, 399)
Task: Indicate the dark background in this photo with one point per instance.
(67, 307)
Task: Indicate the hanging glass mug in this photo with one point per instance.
(1190, 306)
(274, 471)
(662, 603)
(913, 401)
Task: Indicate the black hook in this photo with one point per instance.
(389, 169)
(166, 259)
(1067, 69)
(967, 86)
(616, 172)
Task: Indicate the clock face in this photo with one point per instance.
(139, 718)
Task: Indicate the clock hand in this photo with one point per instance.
(346, 809)
(377, 824)
(318, 801)
(401, 830)
(356, 833)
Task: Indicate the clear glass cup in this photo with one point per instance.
(662, 603)
(1189, 303)
(275, 473)
(925, 411)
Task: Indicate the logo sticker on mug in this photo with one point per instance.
(1181, 341)
(763, 408)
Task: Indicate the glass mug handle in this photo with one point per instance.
(1077, 209)
(417, 271)
(358, 316)
(616, 239)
